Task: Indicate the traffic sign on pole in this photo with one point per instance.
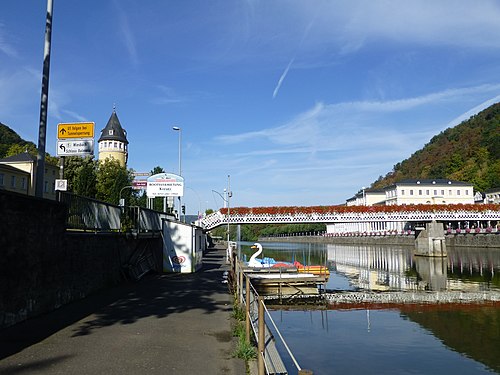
(75, 130)
(75, 147)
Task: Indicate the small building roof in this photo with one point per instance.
(23, 157)
(427, 182)
(113, 130)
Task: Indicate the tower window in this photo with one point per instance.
(110, 132)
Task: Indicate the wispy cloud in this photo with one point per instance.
(167, 96)
(5, 47)
(282, 78)
(473, 111)
(74, 115)
(126, 33)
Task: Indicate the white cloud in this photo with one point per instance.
(167, 96)
(126, 33)
(5, 47)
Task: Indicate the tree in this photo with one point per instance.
(81, 174)
(86, 178)
(111, 179)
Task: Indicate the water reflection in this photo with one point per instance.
(386, 268)
(382, 268)
(413, 339)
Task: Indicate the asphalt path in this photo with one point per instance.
(163, 324)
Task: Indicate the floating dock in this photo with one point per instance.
(284, 281)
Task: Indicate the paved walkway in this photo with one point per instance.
(164, 324)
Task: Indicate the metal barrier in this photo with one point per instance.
(89, 214)
(268, 359)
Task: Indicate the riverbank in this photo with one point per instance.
(489, 240)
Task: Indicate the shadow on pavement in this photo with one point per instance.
(155, 295)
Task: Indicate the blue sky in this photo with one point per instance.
(301, 102)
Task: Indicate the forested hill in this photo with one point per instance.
(468, 152)
(10, 140)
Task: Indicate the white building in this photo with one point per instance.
(405, 192)
(24, 180)
(492, 196)
(429, 191)
(367, 197)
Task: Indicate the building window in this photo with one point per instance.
(115, 145)
(2, 176)
(420, 192)
(46, 187)
(411, 191)
(402, 192)
(435, 192)
(23, 183)
(466, 192)
(458, 192)
(427, 192)
(13, 182)
(442, 193)
(449, 192)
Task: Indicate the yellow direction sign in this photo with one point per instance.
(75, 130)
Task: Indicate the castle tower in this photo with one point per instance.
(113, 141)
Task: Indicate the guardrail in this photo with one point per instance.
(89, 214)
(268, 359)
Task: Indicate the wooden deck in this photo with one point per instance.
(288, 283)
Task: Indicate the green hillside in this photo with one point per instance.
(468, 152)
(11, 143)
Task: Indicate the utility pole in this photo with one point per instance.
(42, 130)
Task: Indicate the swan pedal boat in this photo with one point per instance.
(254, 262)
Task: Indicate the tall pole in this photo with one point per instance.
(178, 129)
(42, 129)
(229, 194)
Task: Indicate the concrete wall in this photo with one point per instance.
(43, 267)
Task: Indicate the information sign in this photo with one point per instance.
(75, 130)
(165, 185)
(75, 147)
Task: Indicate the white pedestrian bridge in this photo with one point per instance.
(486, 215)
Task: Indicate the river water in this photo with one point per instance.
(409, 339)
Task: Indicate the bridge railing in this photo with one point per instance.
(425, 213)
(89, 214)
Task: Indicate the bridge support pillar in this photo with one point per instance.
(430, 241)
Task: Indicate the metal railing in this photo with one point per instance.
(89, 214)
(268, 359)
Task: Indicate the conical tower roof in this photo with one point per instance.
(113, 130)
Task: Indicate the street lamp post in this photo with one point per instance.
(178, 129)
(226, 199)
(229, 195)
(44, 100)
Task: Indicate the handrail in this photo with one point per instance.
(282, 339)
(250, 310)
(403, 214)
(94, 215)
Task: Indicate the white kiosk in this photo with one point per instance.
(183, 247)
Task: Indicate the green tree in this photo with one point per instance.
(81, 174)
(111, 179)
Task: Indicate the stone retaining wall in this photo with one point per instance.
(42, 266)
(412, 297)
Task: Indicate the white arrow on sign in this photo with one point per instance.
(75, 147)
